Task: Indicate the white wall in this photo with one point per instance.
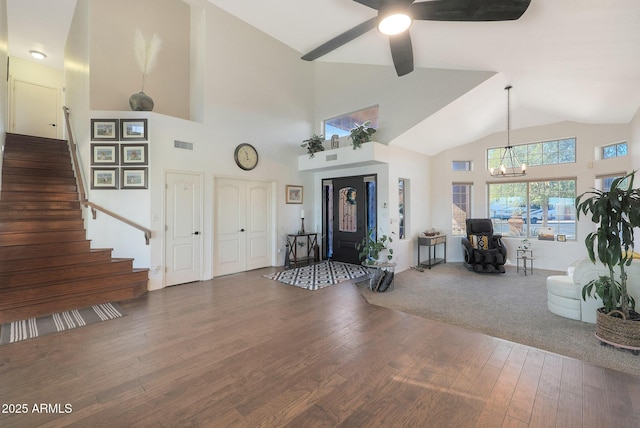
(256, 90)
(548, 255)
(404, 102)
(115, 75)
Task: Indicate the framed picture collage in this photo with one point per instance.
(119, 154)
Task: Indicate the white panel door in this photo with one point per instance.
(34, 110)
(230, 229)
(183, 231)
(259, 225)
(242, 226)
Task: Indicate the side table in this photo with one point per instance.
(524, 256)
(432, 242)
(296, 243)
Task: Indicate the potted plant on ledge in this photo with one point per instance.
(361, 134)
(617, 213)
(313, 144)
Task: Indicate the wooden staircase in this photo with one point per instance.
(46, 262)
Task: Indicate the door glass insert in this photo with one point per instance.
(347, 210)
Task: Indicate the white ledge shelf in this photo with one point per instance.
(370, 153)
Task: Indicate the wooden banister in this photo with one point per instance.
(73, 148)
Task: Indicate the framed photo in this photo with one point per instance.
(294, 194)
(104, 129)
(104, 154)
(134, 154)
(134, 178)
(133, 129)
(104, 178)
(562, 238)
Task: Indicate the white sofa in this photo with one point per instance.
(564, 292)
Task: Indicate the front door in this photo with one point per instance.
(183, 231)
(349, 218)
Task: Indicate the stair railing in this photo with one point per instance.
(73, 148)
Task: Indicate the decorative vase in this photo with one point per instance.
(140, 102)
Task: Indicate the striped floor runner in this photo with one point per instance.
(27, 329)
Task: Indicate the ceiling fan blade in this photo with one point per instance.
(402, 53)
(469, 10)
(340, 40)
(373, 4)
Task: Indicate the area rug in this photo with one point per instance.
(319, 275)
(27, 329)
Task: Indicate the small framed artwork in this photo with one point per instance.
(133, 129)
(294, 194)
(134, 178)
(104, 178)
(104, 154)
(134, 154)
(104, 129)
(562, 238)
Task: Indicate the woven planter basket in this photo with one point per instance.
(621, 331)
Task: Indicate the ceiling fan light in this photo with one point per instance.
(394, 23)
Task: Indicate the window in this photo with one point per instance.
(402, 204)
(461, 208)
(461, 165)
(343, 124)
(523, 208)
(614, 150)
(533, 154)
(604, 182)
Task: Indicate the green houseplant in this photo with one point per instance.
(617, 213)
(373, 246)
(313, 144)
(361, 134)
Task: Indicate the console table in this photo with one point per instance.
(431, 242)
(297, 242)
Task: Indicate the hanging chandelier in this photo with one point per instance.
(510, 166)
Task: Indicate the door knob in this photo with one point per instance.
(196, 233)
(53, 124)
(241, 230)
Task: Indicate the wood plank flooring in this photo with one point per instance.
(245, 351)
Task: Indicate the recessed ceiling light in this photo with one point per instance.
(37, 54)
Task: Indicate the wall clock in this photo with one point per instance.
(246, 156)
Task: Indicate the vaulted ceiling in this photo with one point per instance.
(573, 60)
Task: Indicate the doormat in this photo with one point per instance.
(33, 327)
(320, 275)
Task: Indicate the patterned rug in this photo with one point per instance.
(27, 329)
(319, 275)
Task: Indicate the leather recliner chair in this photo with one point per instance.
(484, 251)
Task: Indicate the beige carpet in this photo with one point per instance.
(509, 306)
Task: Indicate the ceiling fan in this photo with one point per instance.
(395, 17)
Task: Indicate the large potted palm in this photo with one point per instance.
(617, 213)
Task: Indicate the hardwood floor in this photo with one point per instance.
(246, 351)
